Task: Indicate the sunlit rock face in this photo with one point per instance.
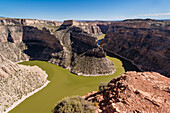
(17, 81)
(134, 92)
(29, 22)
(144, 42)
(90, 28)
(6, 67)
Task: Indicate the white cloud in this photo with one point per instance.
(153, 15)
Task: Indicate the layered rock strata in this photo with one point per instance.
(141, 92)
(69, 46)
(103, 25)
(144, 42)
(24, 42)
(52, 26)
(90, 28)
(81, 54)
(27, 22)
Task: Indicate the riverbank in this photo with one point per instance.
(62, 84)
(129, 65)
(97, 74)
(29, 94)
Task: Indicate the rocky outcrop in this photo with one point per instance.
(40, 43)
(81, 54)
(103, 25)
(17, 82)
(14, 51)
(52, 26)
(144, 42)
(134, 92)
(90, 28)
(18, 43)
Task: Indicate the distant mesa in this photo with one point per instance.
(70, 22)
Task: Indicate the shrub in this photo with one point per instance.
(75, 104)
(95, 103)
(103, 86)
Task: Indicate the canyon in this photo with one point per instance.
(29, 39)
(60, 47)
(73, 45)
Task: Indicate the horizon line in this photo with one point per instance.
(86, 19)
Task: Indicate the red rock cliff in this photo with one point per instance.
(134, 92)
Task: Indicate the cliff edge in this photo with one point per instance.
(135, 92)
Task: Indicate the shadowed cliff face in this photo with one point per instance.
(23, 42)
(84, 43)
(44, 37)
(146, 43)
(40, 43)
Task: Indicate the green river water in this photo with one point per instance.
(62, 84)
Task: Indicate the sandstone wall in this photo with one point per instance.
(90, 28)
(82, 52)
(12, 21)
(144, 43)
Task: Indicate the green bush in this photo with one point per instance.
(75, 104)
(95, 103)
(103, 86)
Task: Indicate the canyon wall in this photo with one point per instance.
(17, 42)
(27, 22)
(90, 28)
(103, 25)
(81, 53)
(144, 42)
(71, 46)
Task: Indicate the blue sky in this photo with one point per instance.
(85, 9)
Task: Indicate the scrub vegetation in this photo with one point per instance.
(75, 104)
